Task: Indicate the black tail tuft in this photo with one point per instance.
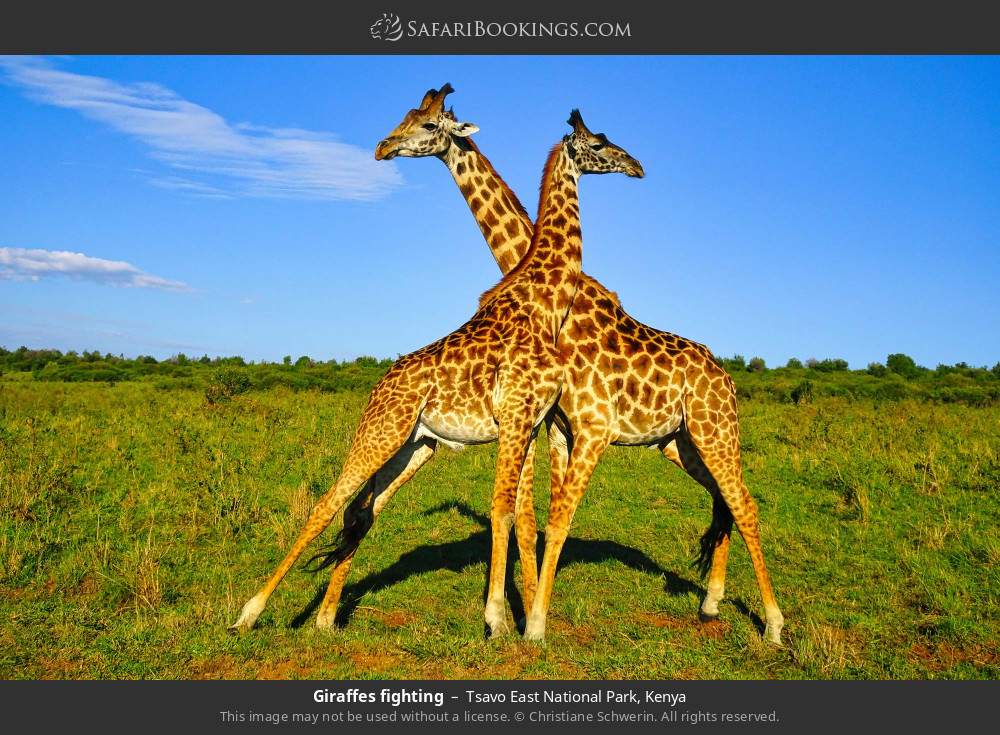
(722, 526)
(357, 522)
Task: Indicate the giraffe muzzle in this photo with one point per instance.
(384, 150)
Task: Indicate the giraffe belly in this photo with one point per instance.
(456, 433)
(631, 435)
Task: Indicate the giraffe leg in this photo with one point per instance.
(559, 450)
(515, 436)
(587, 450)
(379, 436)
(525, 523)
(360, 517)
(722, 460)
(526, 529)
(714, 553)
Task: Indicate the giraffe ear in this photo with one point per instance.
(464, 129)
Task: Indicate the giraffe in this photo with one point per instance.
(628, 384)
(495, 378)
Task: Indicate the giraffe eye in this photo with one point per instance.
(429, 126)
(596, 146)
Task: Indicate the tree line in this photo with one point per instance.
(222, 378)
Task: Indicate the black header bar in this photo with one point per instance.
(449, 27)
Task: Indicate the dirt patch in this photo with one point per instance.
(582, 635)
(515, 660)
(390, 618)
(714, 629)
(290, 669)
(218, 667)
(87, 587)
(60, 668)
(659, 620)
(376, 663)
(944, 656)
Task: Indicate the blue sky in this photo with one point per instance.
(793, 206)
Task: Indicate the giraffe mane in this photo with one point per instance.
(550, 163)
(519, 208)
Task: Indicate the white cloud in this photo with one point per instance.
(240, 159)
(33, 264)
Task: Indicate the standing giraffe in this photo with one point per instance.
(494, 378)
(628, 384)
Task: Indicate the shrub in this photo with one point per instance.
(829, 365)
(803, 392)
(891, 391)
(756, 365)
(226, 384)
(877, 369)
(734, 364)
(901, 364)
(794, 363)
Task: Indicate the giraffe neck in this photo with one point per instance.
(546, 277)
(498, 212)
(556, 250)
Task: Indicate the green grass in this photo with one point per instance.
(137, 520)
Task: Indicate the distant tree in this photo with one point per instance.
(205, 360)
(794, 362)
(811, 363)
(877, 369)
(734, 364)
(996, 370)
(902, 365)
(286, 360)
(304, 361)
(756, 365)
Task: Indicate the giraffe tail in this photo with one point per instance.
(711, 538)
(344, 544)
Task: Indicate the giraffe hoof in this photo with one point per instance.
(248, 615)
(325, 622)
(533, 637)
(535, 631)
(496, 628)
(705, 617)
(772, 630)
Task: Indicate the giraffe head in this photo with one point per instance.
(429, 130)
(593, 153)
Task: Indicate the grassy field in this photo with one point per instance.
(137, 519)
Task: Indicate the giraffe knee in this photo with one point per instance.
(503, 520)
(556, 532)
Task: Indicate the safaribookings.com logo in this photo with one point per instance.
(387, 28)
(390, 28)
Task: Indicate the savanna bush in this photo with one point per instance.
(803, 392)
(902, 365)
(226, 384)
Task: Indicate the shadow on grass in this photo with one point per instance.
(458, 556)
